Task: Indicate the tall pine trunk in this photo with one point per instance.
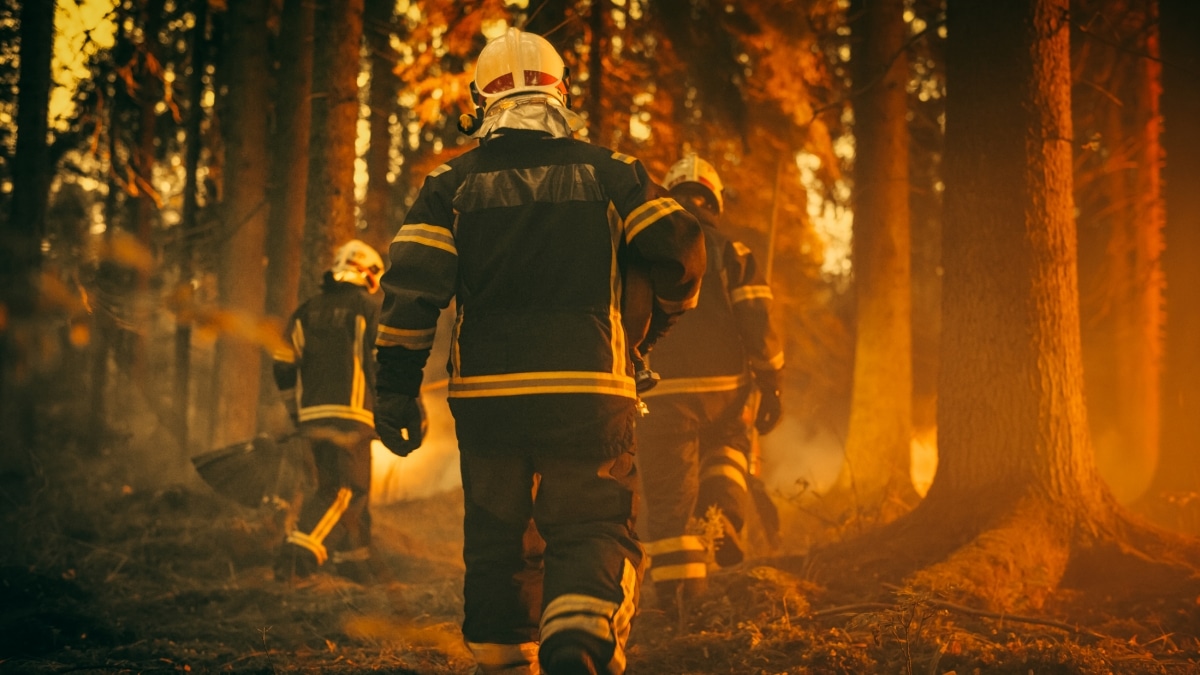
(876, 467)
(331, 218)
(245, 210)
(377, 206)
(184, 295)
(20, 240)
(289, 157)
(1017, 507)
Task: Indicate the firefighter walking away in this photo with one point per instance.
(327, 382)
(694, 447)
(530, 233)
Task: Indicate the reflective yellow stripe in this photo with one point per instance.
(569, 382)
(441, 169)
(358, 385)
(492, 657)
(687, 542)
(332, 514)
(743, 293)
(428, 235)
(605, 620)
(317, 548)
(696, 385)
(433, 243)
(409, 338)
(676, 572)
(622, 157)
(346, 412)
(623, 619)
(676, 306)
(284, 355)
(298, 339)
(574, 611)
(649, 213)
(725, 471)
(774, 363)
(734, 456)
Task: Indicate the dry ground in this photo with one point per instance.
(106, 569)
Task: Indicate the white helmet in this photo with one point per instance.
(359, 264)
(692, 169)
(519, 62)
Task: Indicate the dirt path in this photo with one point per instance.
(100, 576)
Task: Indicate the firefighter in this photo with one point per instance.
(529, 232)
(694, 446)
(327, 382)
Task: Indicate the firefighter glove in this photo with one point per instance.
(770, 409)
(400, 422)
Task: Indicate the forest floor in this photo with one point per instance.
(108, 569)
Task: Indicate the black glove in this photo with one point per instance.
(770, 409)
(660, 324)
(400, 422)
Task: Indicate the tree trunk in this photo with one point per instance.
(20, 240)
(331, 202)
(876, 472)
(31, 171)
(245, 211)
(184, 297)
(1178, 470)
(377, 206)
(1140, 358)
(289, 165)
(1017, 508)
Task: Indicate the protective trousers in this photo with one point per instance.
(551, 557)
(692, 457)
(335, 522)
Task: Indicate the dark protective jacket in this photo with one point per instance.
(730, 333)
(330, 370)
(530, 233)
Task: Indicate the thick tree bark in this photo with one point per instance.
(1178, 470)
(245, 211)
(1011, 410)
(289, 164)
(878, 446)
(377, 206)
(1017, 508)
(331, 218)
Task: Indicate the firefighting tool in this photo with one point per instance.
(359, 264)
(249, 471)
(692, 169)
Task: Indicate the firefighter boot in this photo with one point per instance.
(729, 550)
(570, 652)
(675, 597)
(294, 562)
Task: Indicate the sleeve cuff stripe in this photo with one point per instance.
(649, 213)
(743, 293)
(676, 306)
(447, 246)
(407, 343)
